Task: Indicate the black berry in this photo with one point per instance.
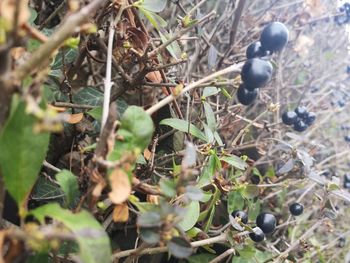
(346, 185)
(310, 118)
(347, 178)
(341, 242)
(341, 103)
(301, 111)
(256, 73)
(242, 215)
(274, 37)
(245, 96)
(289, 117)
(347, 138)
(296, 209)
(254, 50)
(341, 20)
(267, 222)
(258, 235)
(300, 125)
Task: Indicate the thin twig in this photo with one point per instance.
(167, 100)
(108, 81)
(46, 50)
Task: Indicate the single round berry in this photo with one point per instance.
(289, 117)
(245, 96)
(274, 37)
(310, 118)
(296, 209)
(242, 215)
(347, 138)
(254, 50)
(256, 73)
(300, 125)
(258, 235)
(267, 222)
(301, 111)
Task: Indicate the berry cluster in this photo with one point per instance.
(257, 72)
(265, 224)
(300, 118)
(346, 181)
(344, 17)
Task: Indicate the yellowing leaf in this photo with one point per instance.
(75, 118)
(56, 108)
(121, 187)
(147, 154)
(121, 213)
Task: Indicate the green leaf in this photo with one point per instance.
(72, 42)
(33, 15)
(168, 187)
(208, 172)
(225, 93)
(209, 91)
(139, 124)
(69, 185)
(46, 190)
(209, 135)
(96, 113)
(210, 116)
(150, 235)
(149, 219)
(218, 139)
(89, 96)
(235, 201)
(250, 191)
(174, 48)
(270, 172)
(153, 18)
(193, 193)
(201, 258)
(184, 126)
(254, 209)
(69, 54)
(22, 153)
(193, 232)
(235, 161)
(248, 252)
(154, 5)
(180, 247)
(191, 216)
(93, 241)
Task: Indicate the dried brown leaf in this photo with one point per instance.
(121, 187)
(121, 213)
(75, 118)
